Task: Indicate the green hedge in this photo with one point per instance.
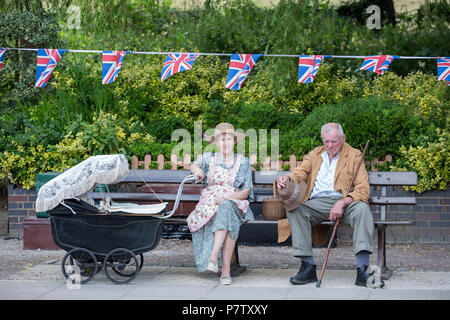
(76, 116)
(386, 123)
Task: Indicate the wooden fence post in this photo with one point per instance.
(147, 161)
(173, 162)
(160, 161)
(267, 163)
(187, 161)
(134, 162)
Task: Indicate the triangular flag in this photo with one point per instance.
(47, 59)
(177, 63)
(378, 64)
(2, 56)
(111, 63)
(308, 67)
(240, 67)
(443, 69)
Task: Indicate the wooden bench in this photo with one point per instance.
(165, 184)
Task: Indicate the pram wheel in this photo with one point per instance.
(121, 266)
(79, 265)
(141, 261)
(140, 258)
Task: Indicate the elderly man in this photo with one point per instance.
(328, 171)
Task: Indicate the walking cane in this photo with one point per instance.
(319, 282)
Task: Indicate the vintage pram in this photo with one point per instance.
(110, 236)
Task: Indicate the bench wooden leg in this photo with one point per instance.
(235, 268)
(381, 261)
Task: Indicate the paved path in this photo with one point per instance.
(46, 282)
(421, 272)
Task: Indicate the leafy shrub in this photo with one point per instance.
(26, 154)
(140, 145)
(431, 162)
(330, 86)
(385, 123)
(357, 10)
(427, 97)
(21, 165)
(181, 95)
(37, 29)
(77, 116)
(249, 116)
(205, 28)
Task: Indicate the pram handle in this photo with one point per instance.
(177, 200)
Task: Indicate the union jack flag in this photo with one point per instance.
(378, 64)
(111, 63)
(2, 56)
(177, 63)
(443, 69)
(308, 67)
(240, 67)
(47, 59)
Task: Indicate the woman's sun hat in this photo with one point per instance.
(225, 127)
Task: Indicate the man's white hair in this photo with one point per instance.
(327, 127)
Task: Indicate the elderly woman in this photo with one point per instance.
(224, 202)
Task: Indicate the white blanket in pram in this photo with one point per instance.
(103, 169)
(133, 208)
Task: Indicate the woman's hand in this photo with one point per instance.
(229, 195)
(241, 195)
(199, 175)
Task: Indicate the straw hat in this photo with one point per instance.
(225, 127)
(292, 195)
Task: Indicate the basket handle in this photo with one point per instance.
(275, 189)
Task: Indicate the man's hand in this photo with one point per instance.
(337, 210)
(282, 181)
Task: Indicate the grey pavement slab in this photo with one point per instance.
(410, 294)
(310, 292)
(26, 290)
(45, 282)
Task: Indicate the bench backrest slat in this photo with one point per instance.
(385, 178)
(260, 178)
(392, 200)
(156, 176)
(267, 177)
(120, 196)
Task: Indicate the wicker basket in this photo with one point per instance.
(273, 208)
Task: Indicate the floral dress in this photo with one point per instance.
(213, 212)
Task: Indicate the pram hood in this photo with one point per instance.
(104, 169)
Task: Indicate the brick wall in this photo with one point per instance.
(432, 215)
(21, 205)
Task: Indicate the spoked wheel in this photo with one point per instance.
(141, 262)
(140, 258)
(121, 265)
(79, 265)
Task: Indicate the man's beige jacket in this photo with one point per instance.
(346, 165)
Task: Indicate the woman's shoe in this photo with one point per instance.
(225, 280)
(212, 266)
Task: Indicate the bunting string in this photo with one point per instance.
(239, 67)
